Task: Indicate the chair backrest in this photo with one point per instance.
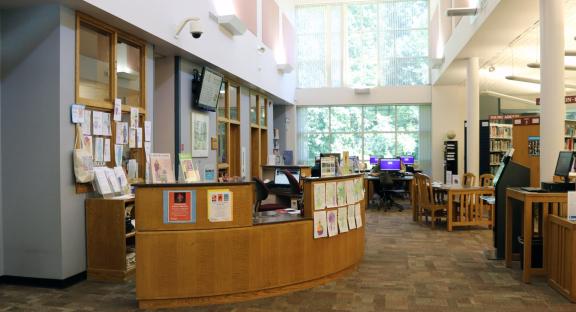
(294, 184)
(262, 190)
(486, 179)
(386, 181)
(424, 186)
(468, 179)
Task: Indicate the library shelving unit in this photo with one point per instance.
(276, 145)
(569, 134)
(110, 248)
(500, 143)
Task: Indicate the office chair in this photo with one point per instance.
(295, 189)
(387, 189)
(262, 193)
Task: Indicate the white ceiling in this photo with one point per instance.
(507, 41)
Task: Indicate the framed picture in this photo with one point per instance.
(200, 138)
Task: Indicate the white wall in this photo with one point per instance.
(448, 114)
(378, 95)
(162, 18)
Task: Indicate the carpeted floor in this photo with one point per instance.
(407, 267)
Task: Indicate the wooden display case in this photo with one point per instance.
(110, 249)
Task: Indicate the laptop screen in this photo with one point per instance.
(281, 179)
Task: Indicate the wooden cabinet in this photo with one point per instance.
(560, 256)
(110, 248)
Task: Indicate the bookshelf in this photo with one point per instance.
(500, 143)
(569, 134)
(110, 248)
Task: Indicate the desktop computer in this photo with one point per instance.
(564, 165)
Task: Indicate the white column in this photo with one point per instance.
(552, 107)
(473, 117)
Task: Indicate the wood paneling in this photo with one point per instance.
(234, 152)
(561, 256)
(150, 212)
(520, 134)
(205, 263)
(106, 239)
(263, 147)
(254, 152)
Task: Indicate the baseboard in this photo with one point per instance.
(43, 282)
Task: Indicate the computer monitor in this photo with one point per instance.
(281, 179)
(390, 164)
(564, 164)
(407, 160)
(374, 160)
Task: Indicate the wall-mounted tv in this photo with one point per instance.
(206, 89)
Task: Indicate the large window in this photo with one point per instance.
(369, 43)
(383, 130)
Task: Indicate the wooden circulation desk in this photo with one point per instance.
(222, 262)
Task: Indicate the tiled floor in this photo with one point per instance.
(407, 267)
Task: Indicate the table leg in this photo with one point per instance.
(543, 233)
(449, 213)
(508, 230)
(527, 232)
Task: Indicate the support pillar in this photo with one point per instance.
(552, 92)
(473, 117)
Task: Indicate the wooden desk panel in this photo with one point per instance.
(150, 211)
(215, 266)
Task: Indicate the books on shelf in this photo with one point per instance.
(503, 131)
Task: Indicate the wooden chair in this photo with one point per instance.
(415, 198)
(468, 179)
(486, 179)
(428, 202)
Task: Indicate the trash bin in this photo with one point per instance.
(537, 251)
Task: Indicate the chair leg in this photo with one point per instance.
(433, 218)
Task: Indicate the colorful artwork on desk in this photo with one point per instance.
(332, 216)
(320, 226)
(179, 206)
(331, 195)
(350, 196)
(358, 189)
(358, 214)
(343, 219)
(341, 193)
(319, 196)
(351, 217)
(220, 205)
(161, 166)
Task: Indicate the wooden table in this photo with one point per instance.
(473, 217)
(551, 203)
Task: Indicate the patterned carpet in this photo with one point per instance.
(407, 267)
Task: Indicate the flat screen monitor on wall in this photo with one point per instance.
(206, 89)
(390, 164)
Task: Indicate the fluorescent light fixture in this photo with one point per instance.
(284, 68)
(570, 53)
(537, 81)
(436, 62)
(510, 97)
(362, 90)
(232, 23)
(537, 65)
(461, 11)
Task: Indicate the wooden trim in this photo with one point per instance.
(224, 299)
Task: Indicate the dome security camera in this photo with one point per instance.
(196, 29)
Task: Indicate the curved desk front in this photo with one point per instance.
(220, 262)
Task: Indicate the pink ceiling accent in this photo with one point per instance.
(246, 12)
(270, 29)
(289, 40)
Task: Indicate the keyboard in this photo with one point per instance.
(533, 189)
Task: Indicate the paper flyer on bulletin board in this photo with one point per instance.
(179, 206)
(220, 205)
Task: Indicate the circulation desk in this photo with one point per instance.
(206, 262)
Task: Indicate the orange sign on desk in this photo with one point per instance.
(179, 206)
